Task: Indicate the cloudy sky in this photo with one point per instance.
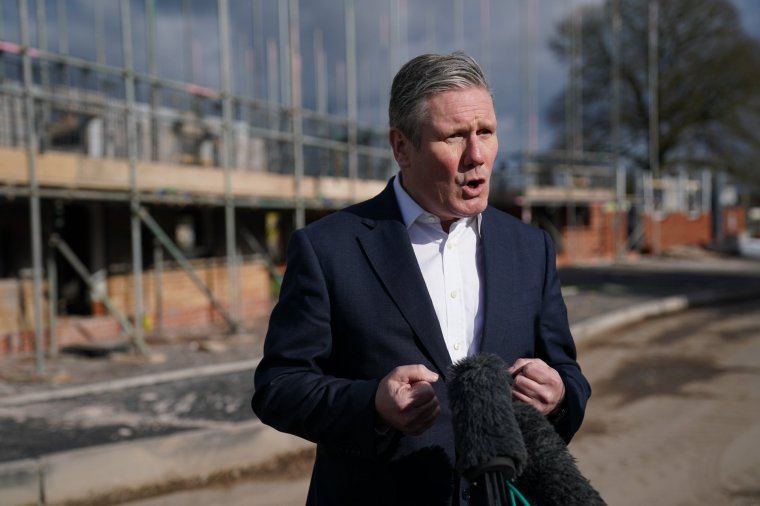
(496, 32)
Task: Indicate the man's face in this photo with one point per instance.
(448, 175)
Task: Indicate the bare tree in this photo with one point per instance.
(709, 85)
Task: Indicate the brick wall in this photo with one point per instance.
(595, 241)
(677, 229)
(183, 307)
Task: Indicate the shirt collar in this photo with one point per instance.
(411, 211)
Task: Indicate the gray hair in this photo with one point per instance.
(424, 76)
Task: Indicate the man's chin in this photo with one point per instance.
(473, 207)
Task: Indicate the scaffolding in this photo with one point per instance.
(115, 112)
(124, 133)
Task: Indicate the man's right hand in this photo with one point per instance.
(406, 401)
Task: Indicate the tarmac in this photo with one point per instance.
(117, 427)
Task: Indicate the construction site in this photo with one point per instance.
(138, 207)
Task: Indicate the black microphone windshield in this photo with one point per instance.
(485, 429)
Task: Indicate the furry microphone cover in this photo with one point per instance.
(489, 424)
(484, 423)
(551, 475)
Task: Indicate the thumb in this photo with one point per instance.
(419, 372)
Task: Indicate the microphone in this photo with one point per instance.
(551, 477)
(497, 439)
(487, 439)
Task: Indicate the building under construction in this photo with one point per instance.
(135, 205)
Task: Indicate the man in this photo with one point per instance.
(379, 300)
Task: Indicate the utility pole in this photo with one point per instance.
(529, 107)
(654, 139)
(615, 120)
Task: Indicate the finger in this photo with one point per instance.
(540, 377)
(420, 393)
(526, 386)
(530, 401)
(418, 372)
(424, 419)
(547, 396)
(517, 366)
(534, 368)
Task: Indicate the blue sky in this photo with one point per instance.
(188, 48)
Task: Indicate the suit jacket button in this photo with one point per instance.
(466, 494)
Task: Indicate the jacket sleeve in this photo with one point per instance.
(556, 346)
(293, 393)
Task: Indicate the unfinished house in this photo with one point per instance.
(133, 205)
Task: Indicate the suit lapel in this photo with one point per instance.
(388, 249)
(499, 277)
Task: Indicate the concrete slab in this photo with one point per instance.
(120, 468)
(20, 483)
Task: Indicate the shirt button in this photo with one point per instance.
(453, 294)
(449, 246)
(456, 346)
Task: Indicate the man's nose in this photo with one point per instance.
(473, 154)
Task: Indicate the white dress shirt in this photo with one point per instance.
(452, 266)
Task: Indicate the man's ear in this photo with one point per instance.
(401, 146)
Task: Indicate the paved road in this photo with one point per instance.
(674, 419)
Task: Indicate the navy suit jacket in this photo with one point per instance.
(354, 305)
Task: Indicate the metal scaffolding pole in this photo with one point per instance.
(399, 33)
(152, 36)
(137, 261)
(44, 72)
(229, 203)
(320, 72)
(294, 56)
(56, 243)
(283, 12)
(34, 189)
(187, 39)
(351, 95)
(259, 46)
(393, 14)
(158, 232)
(100, 36)
(52, 279)
(485, 35)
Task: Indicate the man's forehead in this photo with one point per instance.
(458, 104)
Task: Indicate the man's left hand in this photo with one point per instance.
(537, 384)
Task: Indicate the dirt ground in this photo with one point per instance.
(675, 414)
(674, 419)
